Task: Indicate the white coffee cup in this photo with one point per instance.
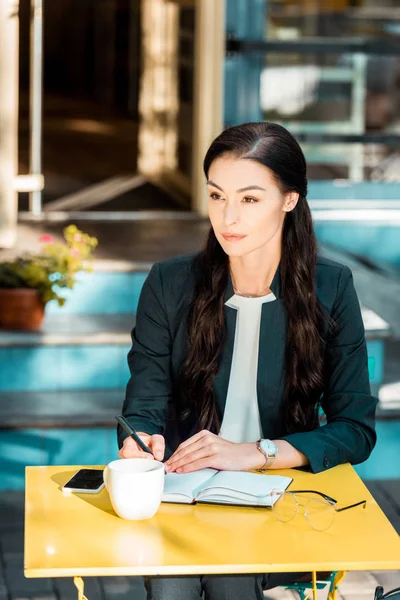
(135, 487)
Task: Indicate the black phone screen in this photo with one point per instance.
(86, 479)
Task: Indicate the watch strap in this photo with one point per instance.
(268, 459)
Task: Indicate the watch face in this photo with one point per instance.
(269, 447)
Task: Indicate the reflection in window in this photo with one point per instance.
(326, 93)
(333, 18)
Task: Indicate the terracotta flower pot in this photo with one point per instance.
(20, 308)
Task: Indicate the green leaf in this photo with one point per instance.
(52, 269)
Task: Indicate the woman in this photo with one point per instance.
(244, 341)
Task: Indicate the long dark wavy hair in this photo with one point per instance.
(274, 147)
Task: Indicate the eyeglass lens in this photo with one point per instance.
(319, 513)
(285, 506)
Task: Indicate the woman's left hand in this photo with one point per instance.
(207, 450)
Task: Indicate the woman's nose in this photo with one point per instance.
(231, 215)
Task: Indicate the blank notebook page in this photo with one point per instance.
(186, 484)
(241, 485)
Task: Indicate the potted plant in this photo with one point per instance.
(31, 280)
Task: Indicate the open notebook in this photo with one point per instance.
(223, 487)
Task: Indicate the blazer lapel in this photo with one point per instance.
(221, 382)
(271, 359)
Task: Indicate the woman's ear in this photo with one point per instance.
(291, 200)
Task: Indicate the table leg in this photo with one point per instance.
(314, 590)
(78, 581)
(314, 586)
(340, 575)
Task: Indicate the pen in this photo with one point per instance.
(129, 429)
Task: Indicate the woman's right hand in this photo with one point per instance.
(155, 443)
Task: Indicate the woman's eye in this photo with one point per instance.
(215, 196)
(250, 200)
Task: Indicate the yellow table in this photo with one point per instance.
(78, 535)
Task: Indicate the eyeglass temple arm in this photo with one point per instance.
(328, 498)
(364, 502)
(312, 492)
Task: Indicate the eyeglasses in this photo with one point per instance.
(318, 508)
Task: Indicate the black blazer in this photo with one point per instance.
(159, 348)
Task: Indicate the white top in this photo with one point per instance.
(241, 421)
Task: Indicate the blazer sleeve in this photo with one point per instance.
(349, 435)
(149, 359)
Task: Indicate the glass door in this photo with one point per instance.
(181, 94)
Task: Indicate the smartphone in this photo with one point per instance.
(85, 481)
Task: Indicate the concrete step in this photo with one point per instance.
(74, 330)
(90, 445)
(62, 409)
(71, 352)
(35, 447)
(78, 427)
(77, 349)
(84, 351)
(56, 428)
(376, 289)
(112, 288)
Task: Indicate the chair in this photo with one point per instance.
(303, 585)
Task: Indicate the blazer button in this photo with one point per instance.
(326, 462)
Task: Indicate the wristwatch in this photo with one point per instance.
(270, 451)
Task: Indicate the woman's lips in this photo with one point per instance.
(233, 238)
